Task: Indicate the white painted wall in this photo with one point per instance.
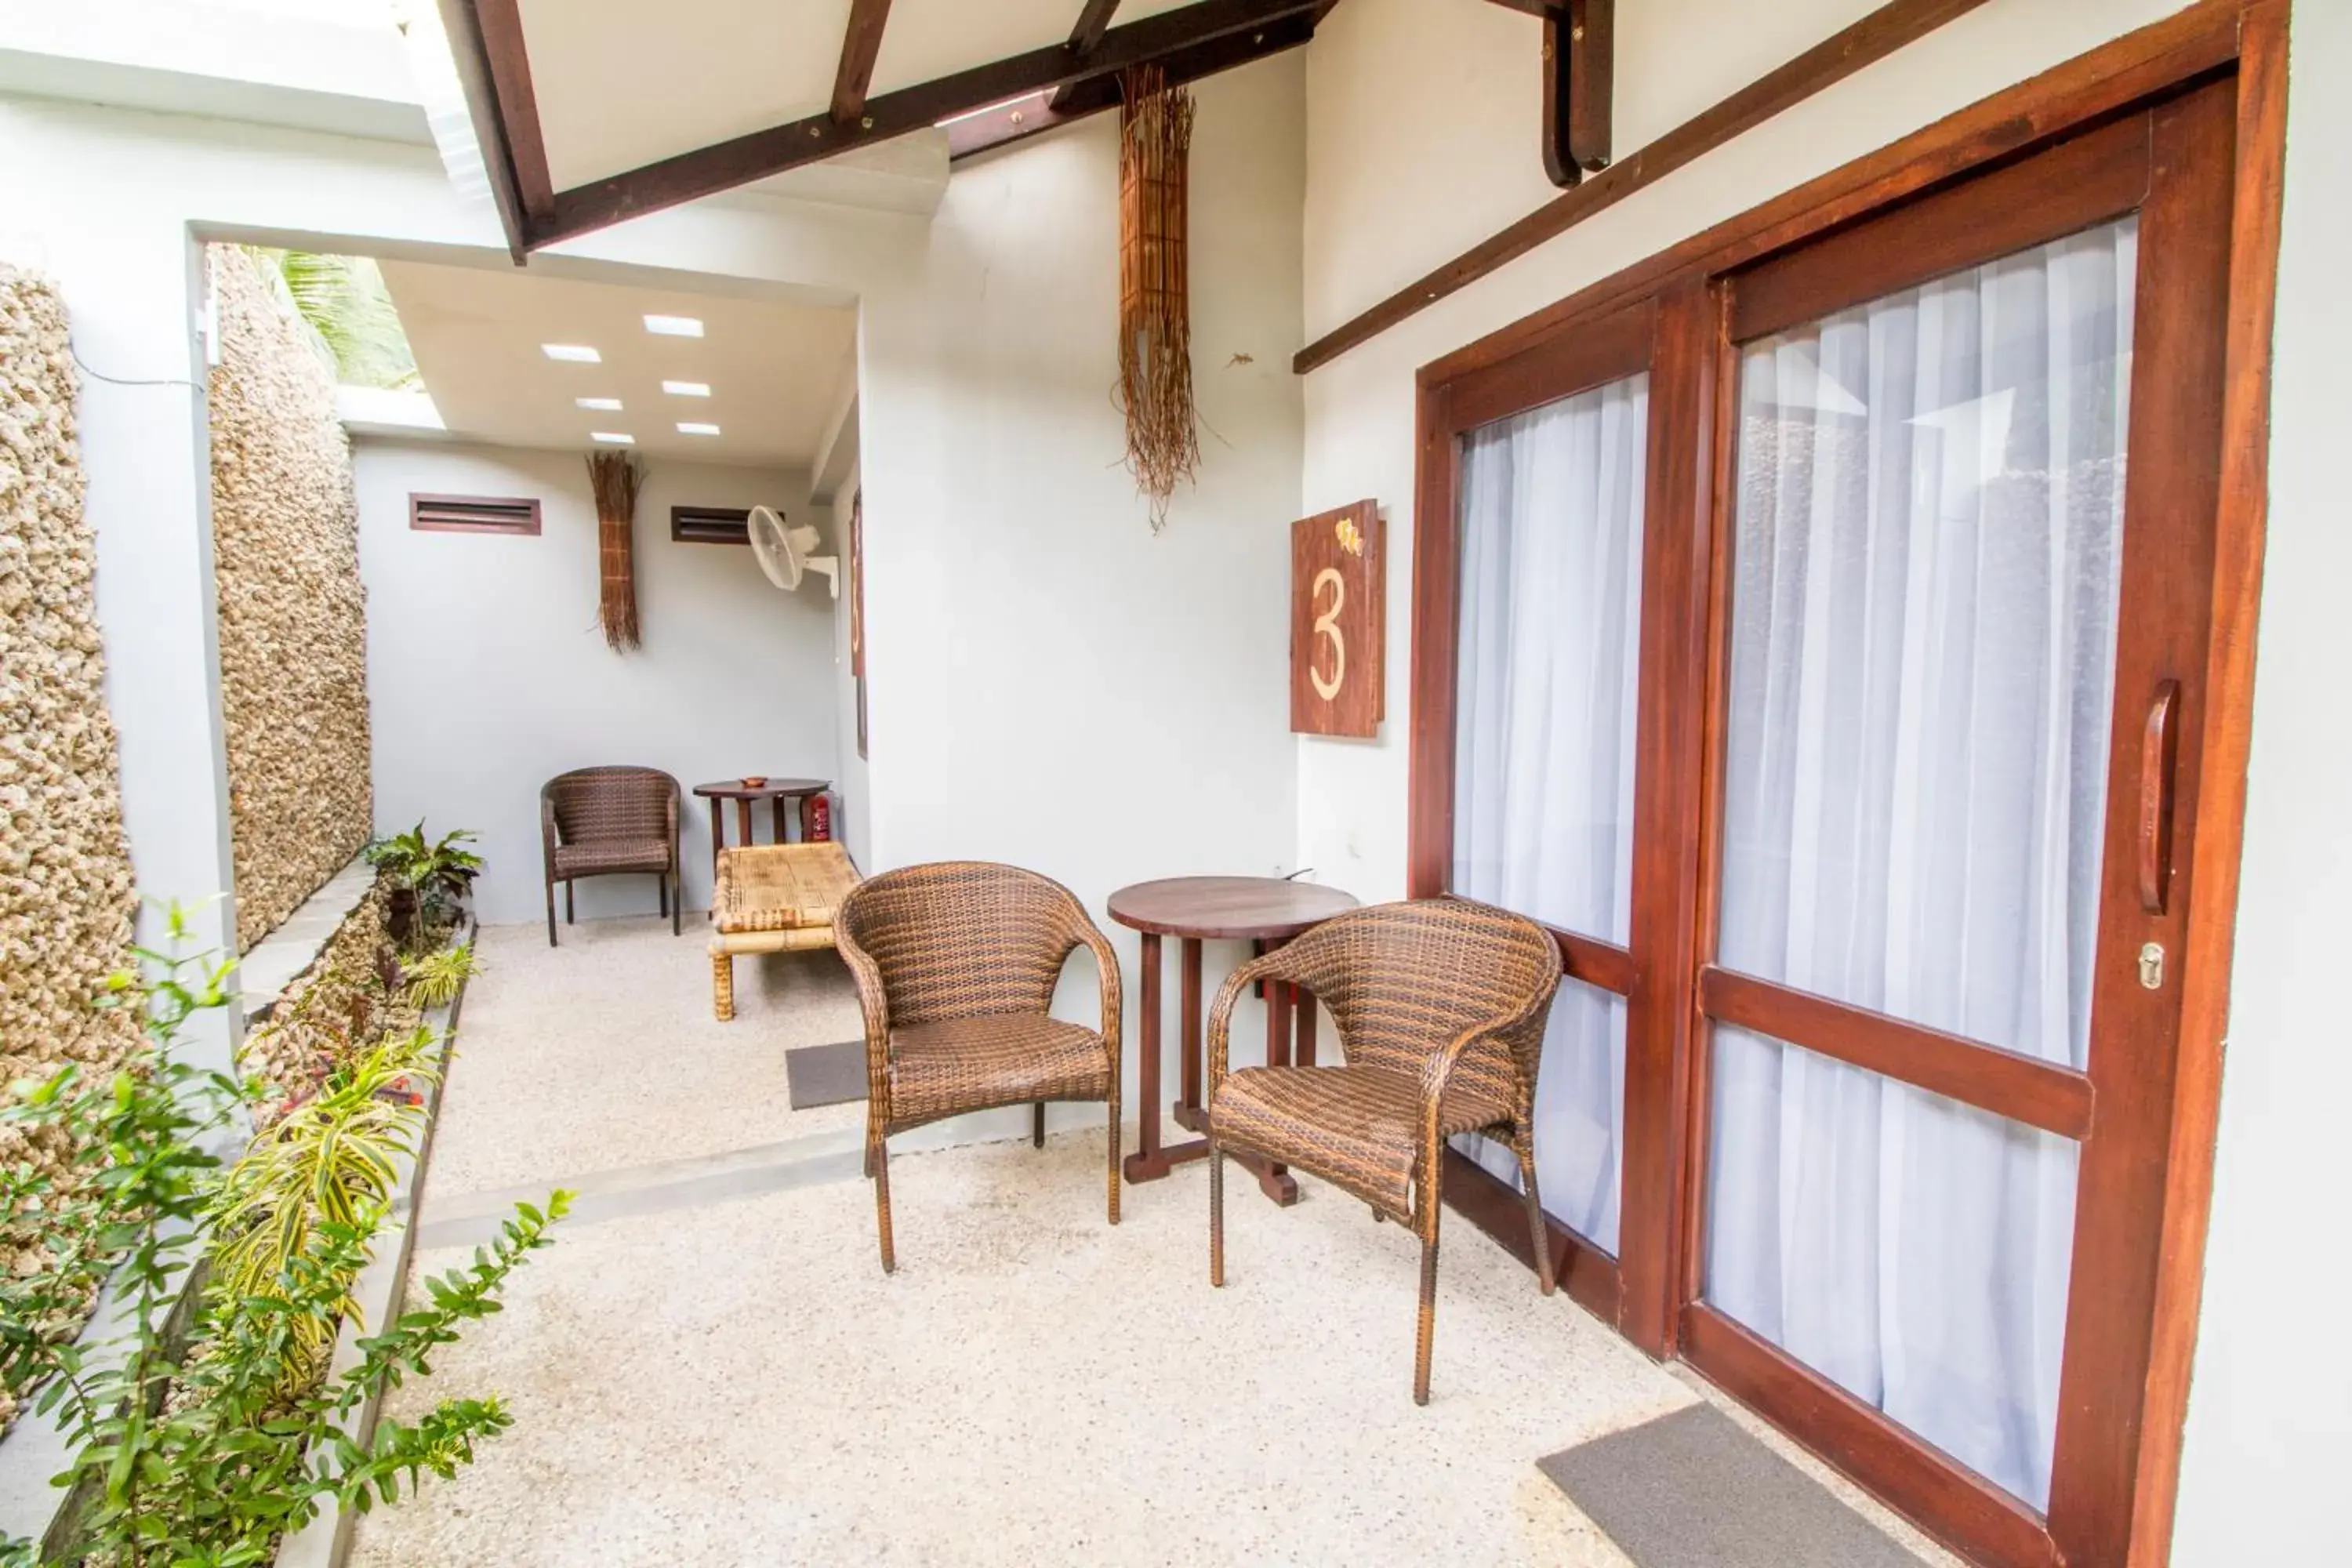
(1391, 196)
(1051, 683)
(487, 675)
(849, 765)
(2270, 1427)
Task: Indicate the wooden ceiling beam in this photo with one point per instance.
(861, 45)
(710, 170)
(1019, 120)
(1094, 19)
(486, 43)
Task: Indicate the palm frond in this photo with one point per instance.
(353, 321)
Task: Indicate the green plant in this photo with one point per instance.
(348, 314)
(435, 980)
(429, 880)
(206, 1455)
(331, 1160)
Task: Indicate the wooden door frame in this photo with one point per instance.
(1609, 346)
(2120, 1508)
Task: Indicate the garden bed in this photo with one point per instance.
(350, 998)
(327, 1540)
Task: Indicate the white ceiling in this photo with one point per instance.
(776, 370)
(620, 84)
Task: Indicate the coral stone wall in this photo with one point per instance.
(336, 1008)
(293, 629)
(66, 897)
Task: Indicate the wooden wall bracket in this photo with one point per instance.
(1579, 46)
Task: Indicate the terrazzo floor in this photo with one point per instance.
(710, 1367)
(601, 1053)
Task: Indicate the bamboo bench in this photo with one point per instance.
(772, 898)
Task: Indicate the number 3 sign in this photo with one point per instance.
(1338, 617)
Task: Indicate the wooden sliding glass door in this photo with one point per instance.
(1969, 487)
(1812, 628)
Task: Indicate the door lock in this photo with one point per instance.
(2151, 966)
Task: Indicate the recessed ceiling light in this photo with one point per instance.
(607, 405)
(612, 437)
(675, 326)
(689, 427)
(687, 388)
(576, 354)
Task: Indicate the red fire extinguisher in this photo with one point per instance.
(816, 819)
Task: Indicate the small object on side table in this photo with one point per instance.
(1266, 910)
(743, 791)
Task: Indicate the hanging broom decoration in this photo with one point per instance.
(1155, 330)
(615, 478)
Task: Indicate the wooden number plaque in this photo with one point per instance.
(1338, 616)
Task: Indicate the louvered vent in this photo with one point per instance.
(473, 514)
(710, 524)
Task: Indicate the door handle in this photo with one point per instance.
(2159, 751)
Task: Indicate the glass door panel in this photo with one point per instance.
(1912, 1250)
(1926, 572)
(1549, 615)
(1927, 548)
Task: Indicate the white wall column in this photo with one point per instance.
(133, 286)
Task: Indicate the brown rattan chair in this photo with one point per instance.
(603, 822)
(956, 964)
(1441, 1006)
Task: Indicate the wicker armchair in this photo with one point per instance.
(602, 821)
(956, 964)
(1441, 1006)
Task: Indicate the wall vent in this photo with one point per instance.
(710, 524)
(472, 515)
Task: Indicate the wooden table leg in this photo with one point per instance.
(1190, 1023)
(1153, 1160)
(1148, 1164)
(743, 824)
(776, 819)
(717, 837)
(1305, 1053)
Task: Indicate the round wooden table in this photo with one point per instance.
(1266, 911)
(774, 790)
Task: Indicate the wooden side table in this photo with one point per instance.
(1263, 911)
(775, 792)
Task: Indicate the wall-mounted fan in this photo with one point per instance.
(784, 552)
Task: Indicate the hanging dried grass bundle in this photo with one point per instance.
(615, 477)
(1155, 328)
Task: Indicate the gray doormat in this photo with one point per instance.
(825, 1075)
(1693, 1490)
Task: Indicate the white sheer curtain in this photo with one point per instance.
(1543, 792)
(1928, 532)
